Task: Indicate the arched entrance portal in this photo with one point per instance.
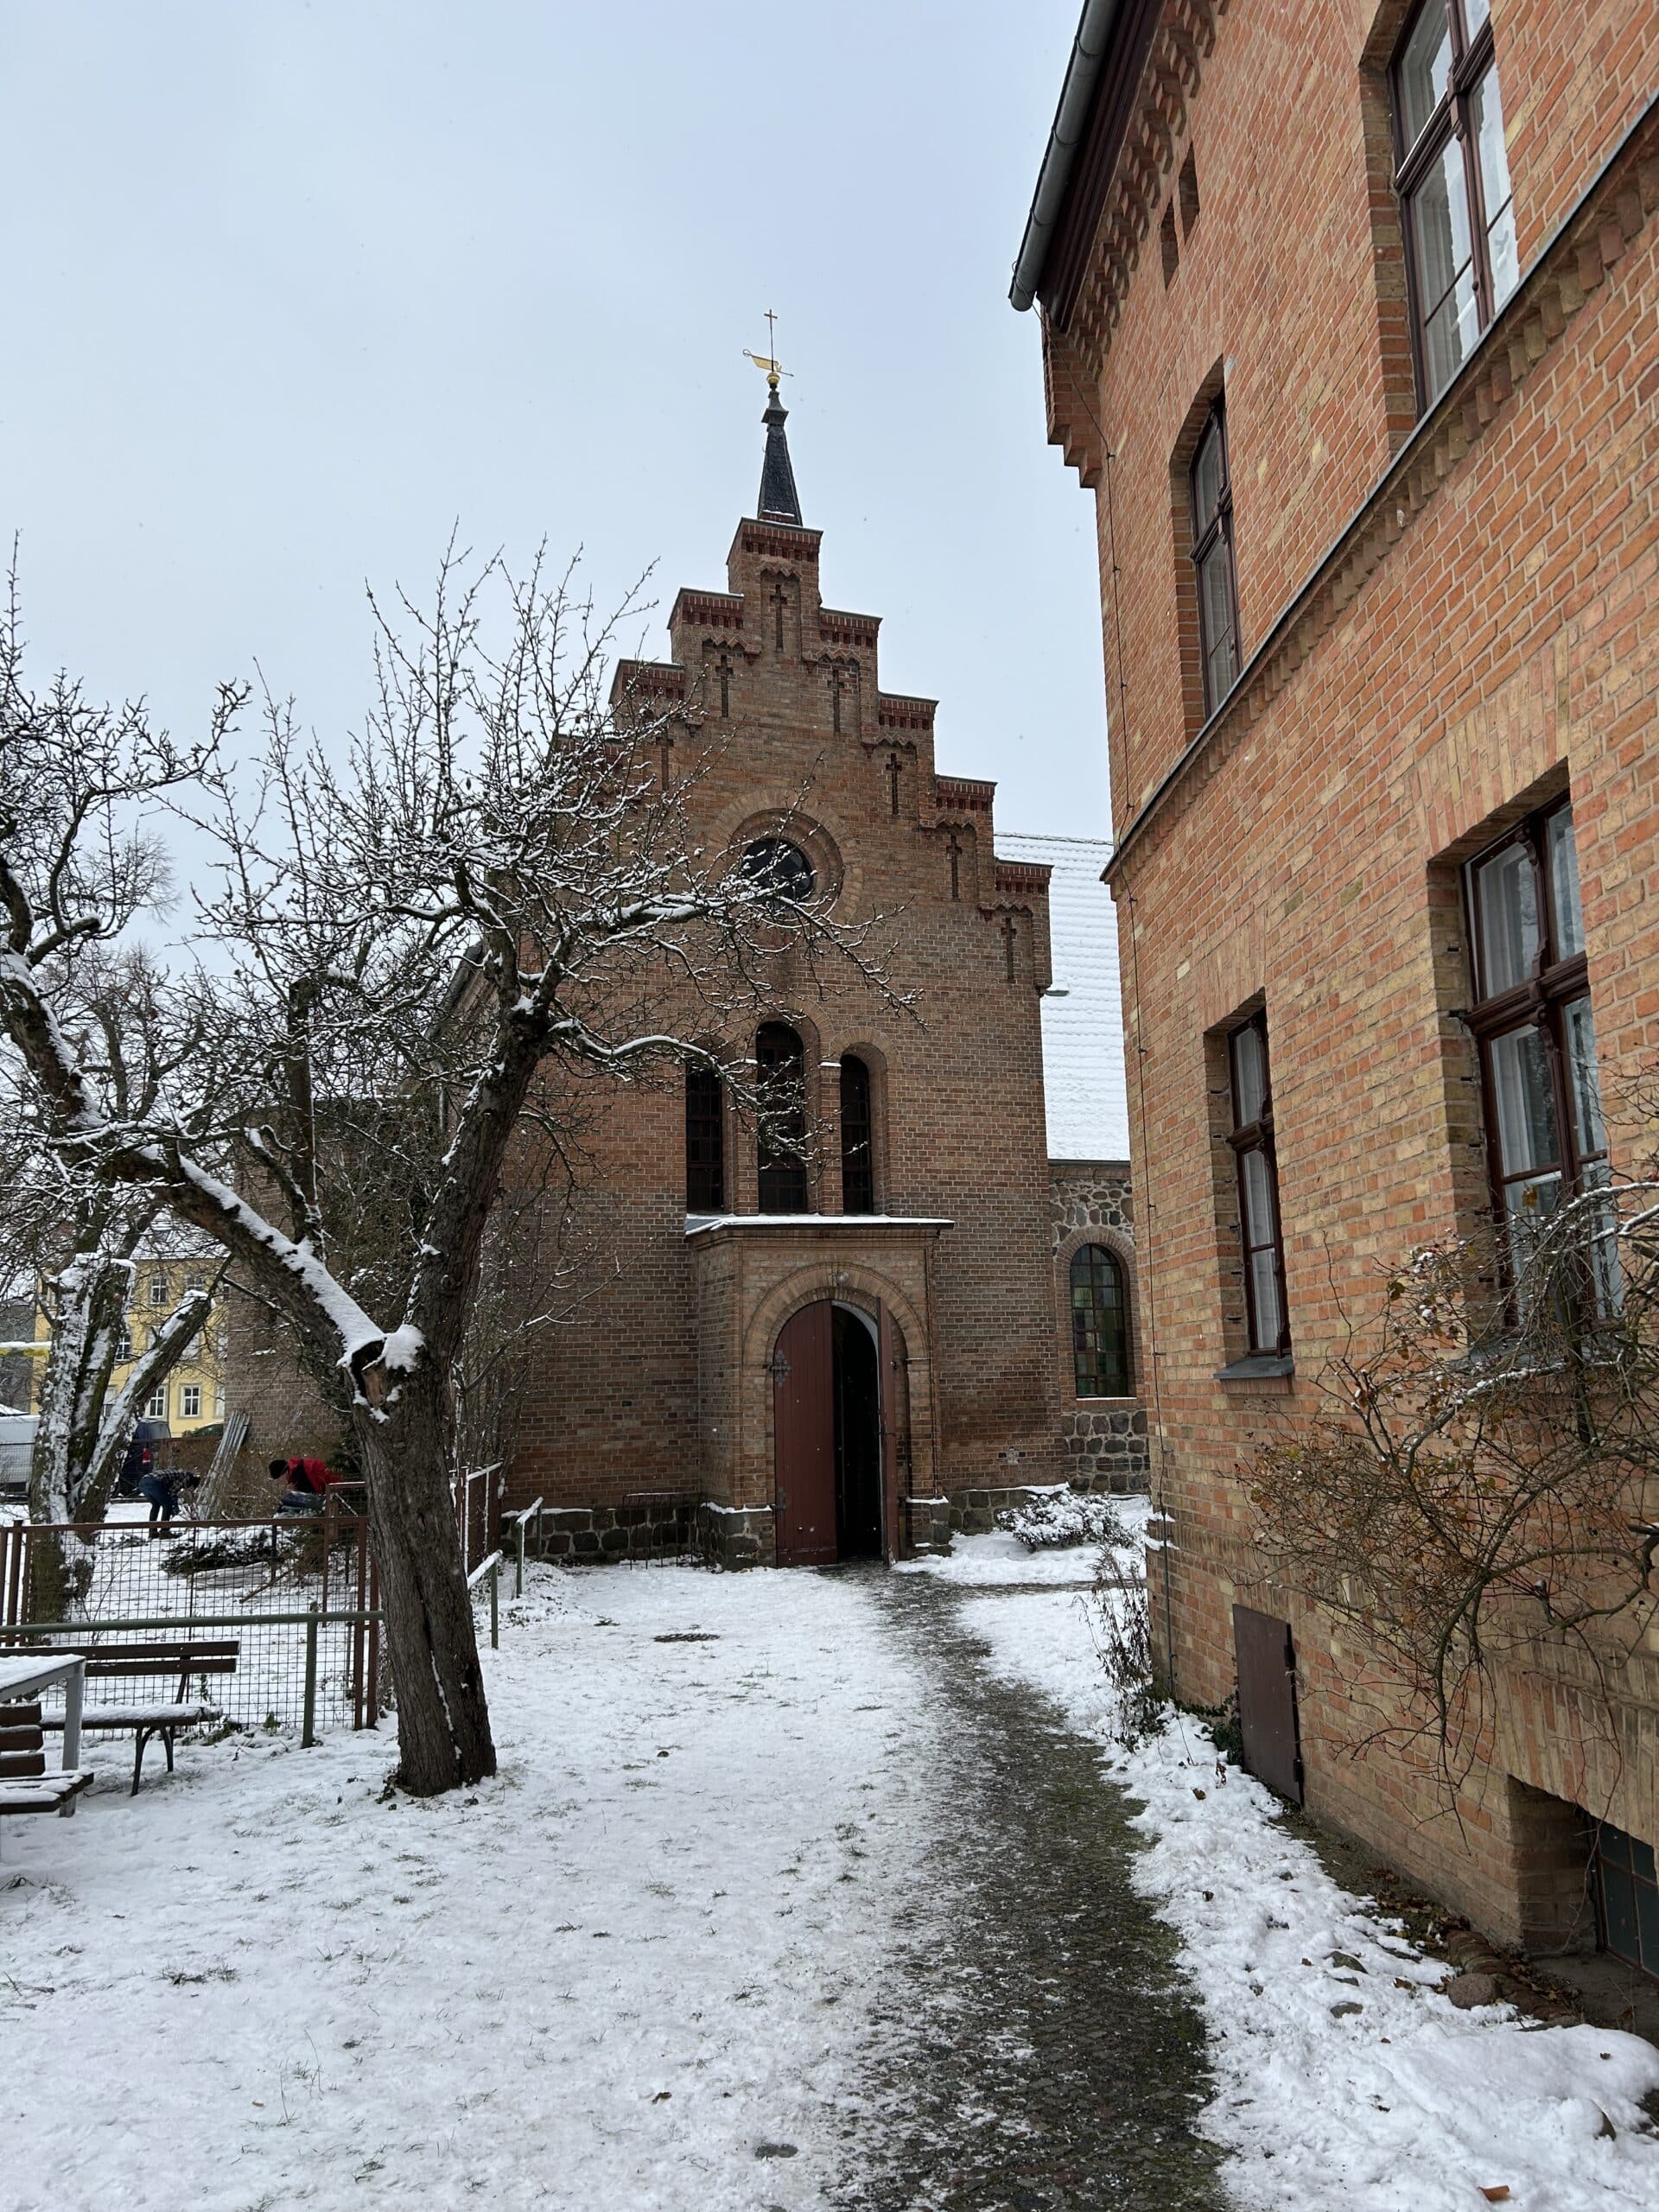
(834, 1492)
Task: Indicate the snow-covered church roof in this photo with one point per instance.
(1083, 1016)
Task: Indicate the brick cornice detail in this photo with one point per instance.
(709, 610)
(779, 542)
(1021, 880)
(1570, 268)
(962, 795)
(648, 679)
(838, 629)
(893, 711)
(1181, 45)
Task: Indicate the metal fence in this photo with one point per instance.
(298, 1592)
(478, 1511)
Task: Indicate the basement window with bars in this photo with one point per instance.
(1452, 174)
(1627, 1885)
(1532, 1020)
(1259, 1226)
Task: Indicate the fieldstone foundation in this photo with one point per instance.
(928, 1520)
(1108, 1451)
(736, 1536)
(973, 1512)
(648, 1528)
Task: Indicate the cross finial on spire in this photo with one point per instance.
(780, 500)
(768, 360)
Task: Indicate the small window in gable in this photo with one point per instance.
(1167, 240)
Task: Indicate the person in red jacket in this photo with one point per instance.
(307, 1483)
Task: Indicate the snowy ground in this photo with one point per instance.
(629, 1972)
(1345, 2078)
(647, 1968)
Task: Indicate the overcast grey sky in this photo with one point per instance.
(292, 287)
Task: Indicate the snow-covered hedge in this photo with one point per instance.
(1064, 1515)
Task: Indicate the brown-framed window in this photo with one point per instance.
(1258, 1186)
(705, 1141)
(1212, 560)
(1532, 1020)
(781, 1078)
(1452, 174)
(857, 1137)
(1100, 1324)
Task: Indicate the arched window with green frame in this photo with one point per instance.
(1100, 1324)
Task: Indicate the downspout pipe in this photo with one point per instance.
(1070, 119)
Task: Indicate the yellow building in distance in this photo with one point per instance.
(192, 1395)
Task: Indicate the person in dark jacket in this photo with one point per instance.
(307, 1481)
(160, 1490)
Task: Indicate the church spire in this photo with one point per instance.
(780, 500)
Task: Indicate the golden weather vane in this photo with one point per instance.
(768, 360)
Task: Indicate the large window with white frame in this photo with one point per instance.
(1452, 175)
(1256, 1163)
(1535, 1028)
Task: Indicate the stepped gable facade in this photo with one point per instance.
(1349, 318)
(797, 1364)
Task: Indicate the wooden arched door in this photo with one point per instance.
(804, 1437)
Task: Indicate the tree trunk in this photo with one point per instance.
(89, 1295)
(443, 1720)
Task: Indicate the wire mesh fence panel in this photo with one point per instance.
(295, 1596)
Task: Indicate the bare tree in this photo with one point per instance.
(493, 886)
(1484, 1484)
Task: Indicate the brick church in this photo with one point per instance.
(797, 1362)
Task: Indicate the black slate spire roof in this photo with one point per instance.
(780, 500)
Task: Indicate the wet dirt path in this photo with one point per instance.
(1040, 2048)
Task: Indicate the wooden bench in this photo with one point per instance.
(145, 1662)
(25, 1785)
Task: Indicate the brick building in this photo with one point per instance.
(1350, 319)
(771, 1360)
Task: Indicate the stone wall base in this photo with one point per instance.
(973, 1512)
(928, 1525)
(1106, 1451)
(735, 1536)
(652, 1528)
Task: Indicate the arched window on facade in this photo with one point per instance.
(1100, 1324)
(781, 1078)
(705, 1142)
(857, 1137)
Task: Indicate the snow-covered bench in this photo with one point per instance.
(183, 1659)
(25, 1785)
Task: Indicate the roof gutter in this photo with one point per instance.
(1071, 120)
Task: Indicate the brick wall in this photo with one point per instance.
(1439, 620)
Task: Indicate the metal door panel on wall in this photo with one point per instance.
(1267, 1701)
(804, 1437)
